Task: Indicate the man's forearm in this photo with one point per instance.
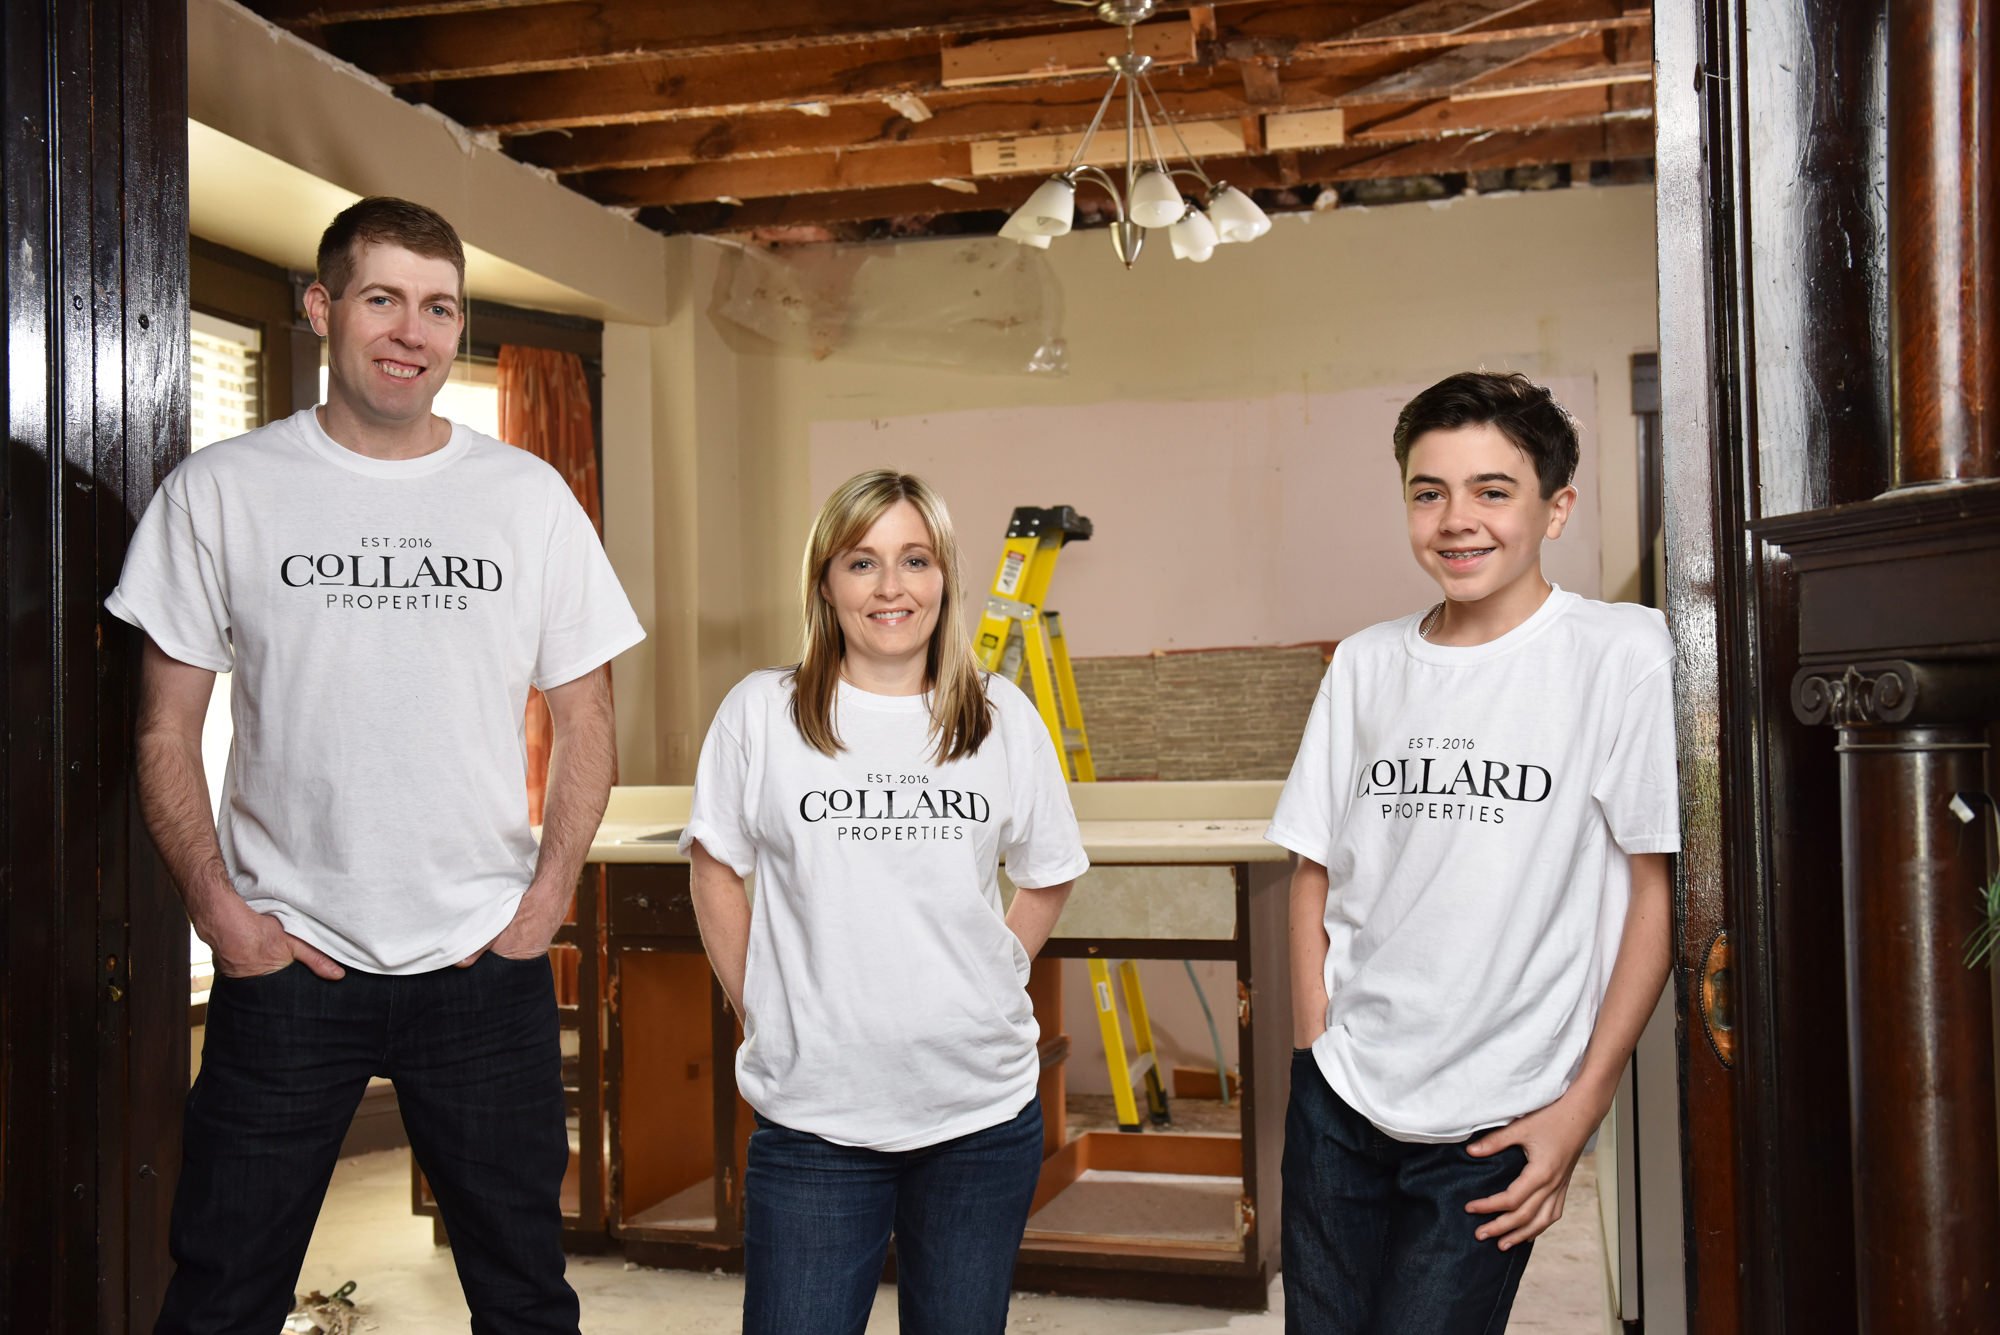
(1644, 957)
(173, 796)
(1308, 949)
(583, 760)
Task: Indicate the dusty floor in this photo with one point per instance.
(367, 1233)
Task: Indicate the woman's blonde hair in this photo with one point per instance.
(960, 714)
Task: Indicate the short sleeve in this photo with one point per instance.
(172, 586)
(586, 619)
(1639, 788)
(1044, 846)
(718, 813)
(1304, 819)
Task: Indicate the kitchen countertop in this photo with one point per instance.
(1132, 823)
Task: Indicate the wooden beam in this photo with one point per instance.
(1528, 111)
(317, 13)
(692, 86)
(798, 175)
(958, 116)
(1293, 31)
(1431, 18)
(1615, 141)
(576, 34)
(846, 75)
(1061, 54)
(1443, 74)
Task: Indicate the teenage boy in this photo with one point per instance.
(385, 585)
(1481, 810)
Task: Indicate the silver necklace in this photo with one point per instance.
(1430, 622)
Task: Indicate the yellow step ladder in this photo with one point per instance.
(1019, 631)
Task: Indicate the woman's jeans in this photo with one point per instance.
(475, 1057)
(1376, 1237)
(818, 1218)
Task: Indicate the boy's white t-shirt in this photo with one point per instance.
(1476, 809)
(383, 620)
(884, 995)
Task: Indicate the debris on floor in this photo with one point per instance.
(320, 1314)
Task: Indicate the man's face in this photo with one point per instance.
(391, 334)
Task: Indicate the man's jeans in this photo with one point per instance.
(475, 1057)
(817, 1220)
(1376, 1237)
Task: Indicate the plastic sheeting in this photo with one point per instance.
(979, 304)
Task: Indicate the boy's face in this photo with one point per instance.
(1476, 514)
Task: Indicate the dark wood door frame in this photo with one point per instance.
(1779, 196)
(93, 984)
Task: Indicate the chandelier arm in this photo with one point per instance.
(1186, 152)
(1098, 176)
(1146, 121)
(1095, 121)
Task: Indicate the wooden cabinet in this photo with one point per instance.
(576, 957)
(660, 1134)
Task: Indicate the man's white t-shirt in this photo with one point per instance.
(1476, 809)
(383, 620)
(884, 995)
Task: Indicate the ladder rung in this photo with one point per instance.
(1073, 739)
(1139, 1069)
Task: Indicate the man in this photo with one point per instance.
(385, 586)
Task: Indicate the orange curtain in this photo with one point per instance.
(545, 410)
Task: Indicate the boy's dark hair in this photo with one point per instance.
(385, 219)
(1522, 410)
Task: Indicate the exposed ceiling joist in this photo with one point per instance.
(909, 165)
(577, 34)
(1618, 141)
(1060, 55)
(969, 115)
(889, 106)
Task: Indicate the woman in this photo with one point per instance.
(889, 1048)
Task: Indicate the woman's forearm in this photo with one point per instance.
(722, 913)
(1032, 915)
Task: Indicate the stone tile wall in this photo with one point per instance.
(1206, 714)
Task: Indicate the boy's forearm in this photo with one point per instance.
(1644, 957)
(1308, 950)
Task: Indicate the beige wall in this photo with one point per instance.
(1558, 285)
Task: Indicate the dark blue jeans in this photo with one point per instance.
(475, 1057)
(1376, 1237)
(817, 1220)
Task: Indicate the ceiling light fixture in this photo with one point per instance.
(1150, 197)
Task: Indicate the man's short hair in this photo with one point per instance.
(1523, 411)
(384, 219)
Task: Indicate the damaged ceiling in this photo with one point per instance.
(805, 120)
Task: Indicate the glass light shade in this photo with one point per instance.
(1193, 237)
(1049, 211)
(1236, 216)
(1012, 230)
(1156, 200)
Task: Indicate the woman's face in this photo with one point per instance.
(886, 591)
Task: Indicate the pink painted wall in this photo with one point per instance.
(1265, 521)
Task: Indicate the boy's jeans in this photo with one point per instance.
(1376, 1237)
(817, 1220)
(476, 1059)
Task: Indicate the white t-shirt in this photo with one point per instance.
(1476, 810)
(383, 620)
(884, 1002)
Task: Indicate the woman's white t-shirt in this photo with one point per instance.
(884, 995)
(1477, 809)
